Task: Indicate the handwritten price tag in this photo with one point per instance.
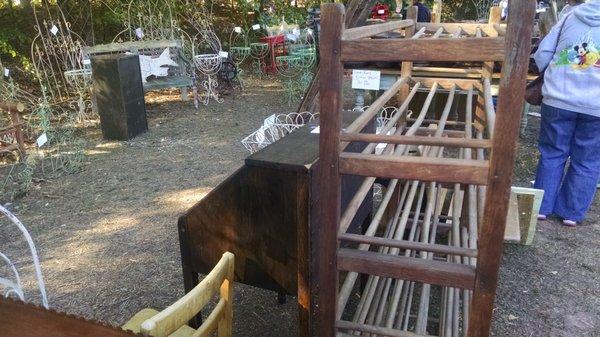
(380, 11)
(224, 54)
(54, 30)
(238, 30)
(366, 79)
(256, 27)
(6, 72)
(86, 62)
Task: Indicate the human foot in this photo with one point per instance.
(569, 223)
(542, 217)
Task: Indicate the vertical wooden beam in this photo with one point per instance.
(324, 247)
(406, 68)
(436, 16)
(486, 73)
(512, 89)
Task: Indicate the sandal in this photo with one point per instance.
(569, 223)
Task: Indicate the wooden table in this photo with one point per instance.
(262, 214)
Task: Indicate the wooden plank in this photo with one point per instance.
(464, 171)
(512, 233)
(511, 95)
(468, 28)
(377, 330)
(447, 83)
(18, 319)
(372, 30)
(131, 46)
(416, 140)
(394, 50)
(446, 133)
(418, 246)
(407, 268)
(324, 275)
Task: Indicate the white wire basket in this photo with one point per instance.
(276, 127)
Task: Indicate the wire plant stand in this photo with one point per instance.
(276, 127)
(239, 50)
(295, 69)
(13, 286)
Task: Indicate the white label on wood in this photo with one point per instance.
(139, 32)
(238, 30)
(366, 79)
(256, 27)
(381, 11)
(224, 54)
(41, 140)
(6, 72)
(54, 30)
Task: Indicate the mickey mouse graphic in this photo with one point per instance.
(582, 52)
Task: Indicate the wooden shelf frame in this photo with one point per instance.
(449, 185)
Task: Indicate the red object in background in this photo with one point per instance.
(380, 11)
(276, 48)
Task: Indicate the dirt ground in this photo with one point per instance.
(108, 245)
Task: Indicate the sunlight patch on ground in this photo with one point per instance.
(109, 145)
(184, 198)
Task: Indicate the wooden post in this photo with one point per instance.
(436, 16)
(512, 89)
(324, 278)
(14, 109)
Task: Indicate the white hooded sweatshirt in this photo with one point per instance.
(570, 53)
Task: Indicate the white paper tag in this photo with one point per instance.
(309, 31)
(86, 62)
(380, 11)
(54, 30)
(224, 54)
(296, 31)
(139, 33)
(41, 140)
(366, 79)
(237, 30)
(6, 72)
(269, 121)
(316, 130)
(256, 27)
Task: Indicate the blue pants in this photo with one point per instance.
(565, 134)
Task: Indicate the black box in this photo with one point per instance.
(119, 96)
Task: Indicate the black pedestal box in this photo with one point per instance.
(119, 96)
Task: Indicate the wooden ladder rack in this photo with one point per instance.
(436, 236)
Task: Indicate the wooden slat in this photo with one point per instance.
(407, 268)
(464, 171)
(447, 83)
(510, 104)
(416, 140)
(375, 108)
(412, 245)
(324, 278)
(377, 330)
(419, 33)
(446, 133)
(394, 50)
(468, 28)
(372, 30)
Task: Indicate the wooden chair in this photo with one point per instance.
(172, 321)
(11, 136)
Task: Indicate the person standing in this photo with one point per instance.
(424, 14)
(570, 126)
